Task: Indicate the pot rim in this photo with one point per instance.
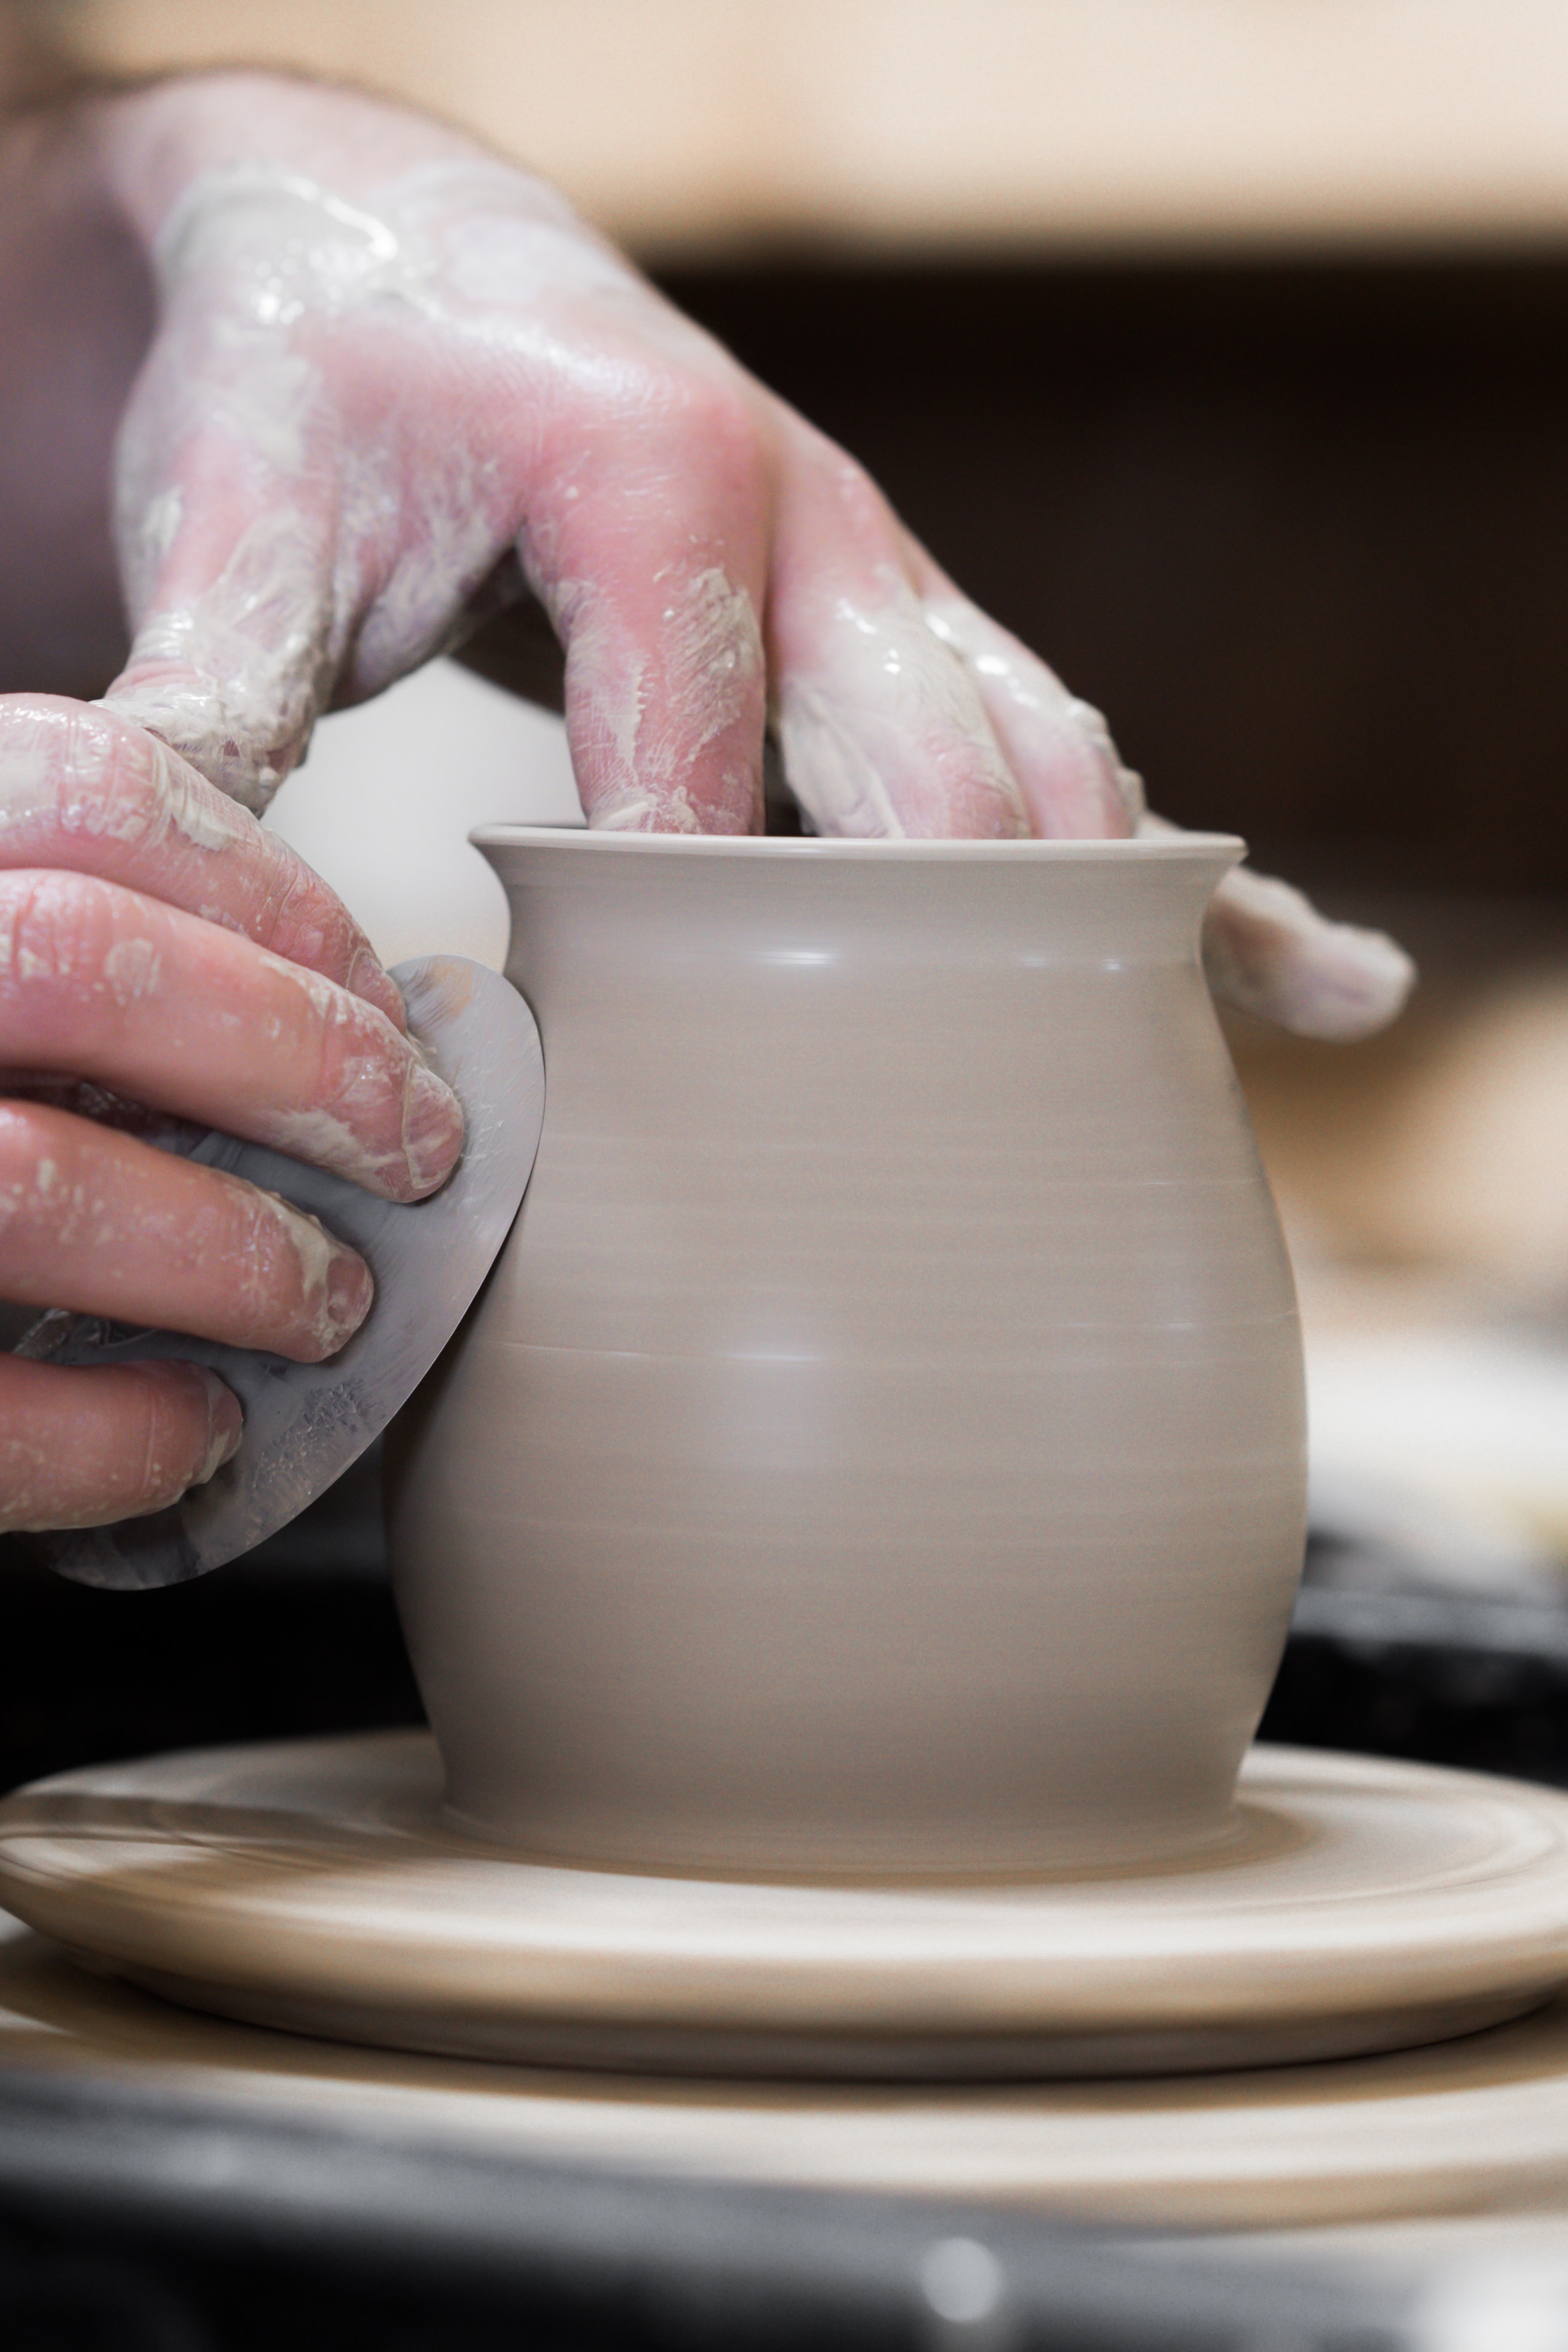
(1163, 847)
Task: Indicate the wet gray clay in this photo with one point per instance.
(880, 1446)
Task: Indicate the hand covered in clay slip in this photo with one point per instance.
(394, 379)
(159, 950)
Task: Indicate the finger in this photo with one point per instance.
(226, 545)
(112, 986)
(82, 788)
(289, 519)
(80, 1448)
(650, 559)
(1059, 748)
(882, 727)
(105, 1225)
(1267, 950)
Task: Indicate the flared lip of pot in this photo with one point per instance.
(1162, 848)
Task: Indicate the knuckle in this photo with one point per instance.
(96, 778)
(78, 781)
(718, 405)
(705, 409)
(80, 1448)
(34, 1181)
(860, 501)
(108, 777)
(149, 798)
(56, 929)
(298, 917)
(35, 759)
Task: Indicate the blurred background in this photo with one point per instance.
(1218, 347)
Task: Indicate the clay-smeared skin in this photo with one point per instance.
(388, 365)
(155, 942)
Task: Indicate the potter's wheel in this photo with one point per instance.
(1464, 2128)
(1358, 1905)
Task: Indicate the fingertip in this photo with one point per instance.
(193, 1425)
(1118, 789)
(332, 1287)
(1269, 951)
(433, 1130)
(1345, 984)
(350, 1293)
(225, 1425)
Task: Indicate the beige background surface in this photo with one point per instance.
(695, 127)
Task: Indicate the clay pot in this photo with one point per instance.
(880, 1446)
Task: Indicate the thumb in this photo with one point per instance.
(236, 645)
(227, 515)
(1267, 950)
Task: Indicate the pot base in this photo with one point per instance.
(1359, 1906)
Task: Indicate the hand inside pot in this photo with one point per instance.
(363, 383)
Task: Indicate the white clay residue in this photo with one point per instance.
(831, 767)
(68, 770)
(444, 558)
(325, 1140)
(1060, 746)
(316, 1253)
(189, 805)
(645, 719)
(28, 750)
(131, 971)
(234, 678)
(301, 245)
(712, 652)
(884, 733)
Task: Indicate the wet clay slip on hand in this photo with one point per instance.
(879, 1448)
(315, 1884)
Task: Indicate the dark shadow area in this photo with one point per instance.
(300, 1636)
(1300, 530)
(1469, 1708)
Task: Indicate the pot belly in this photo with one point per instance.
(797, 1613)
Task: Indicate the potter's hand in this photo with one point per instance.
(158, 948)
(393, 378)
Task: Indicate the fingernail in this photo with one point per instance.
(226, 1426)
(432, 1128)
(351, 1288)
